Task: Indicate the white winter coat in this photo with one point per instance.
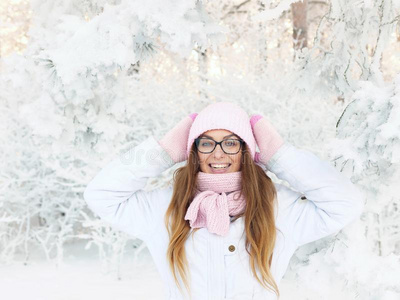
(324, 202)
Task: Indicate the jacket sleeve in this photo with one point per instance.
(116, 193)
(323, 200)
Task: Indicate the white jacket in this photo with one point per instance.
(218, 270)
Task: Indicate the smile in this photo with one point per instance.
(219, 166)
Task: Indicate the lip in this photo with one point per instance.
(219, 171)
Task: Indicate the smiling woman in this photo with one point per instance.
(228, 185)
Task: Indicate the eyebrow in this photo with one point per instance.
(223, 137)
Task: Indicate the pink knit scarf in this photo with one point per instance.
(217, 197)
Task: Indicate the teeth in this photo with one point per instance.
(219, 166)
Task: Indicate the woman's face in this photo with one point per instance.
(209, 163)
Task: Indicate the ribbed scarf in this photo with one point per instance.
(217, 197)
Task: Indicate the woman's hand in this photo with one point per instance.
(175, 141)
(267, 138)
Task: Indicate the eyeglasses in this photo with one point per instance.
(207, 145)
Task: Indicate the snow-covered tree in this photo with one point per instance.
(98, 76)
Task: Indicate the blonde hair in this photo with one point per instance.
(260, 194)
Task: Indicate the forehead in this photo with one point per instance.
(218, 133)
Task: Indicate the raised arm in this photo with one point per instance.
(116, 193)
(331, 201)
(325, 201)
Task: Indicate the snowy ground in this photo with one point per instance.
(81, 277)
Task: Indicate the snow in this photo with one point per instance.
(80, 277)
(99, 75)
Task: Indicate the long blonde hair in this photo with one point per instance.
(260, 194)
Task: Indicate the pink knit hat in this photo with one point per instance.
(223, 115)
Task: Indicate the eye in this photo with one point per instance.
(231, 143)
(205, 142)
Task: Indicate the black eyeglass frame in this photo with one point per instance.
(196, 141)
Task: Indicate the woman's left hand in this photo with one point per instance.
(267, 138)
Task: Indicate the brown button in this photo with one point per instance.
(231, 248)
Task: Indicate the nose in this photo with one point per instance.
(218, 152)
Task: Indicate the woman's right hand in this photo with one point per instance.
(174, 141)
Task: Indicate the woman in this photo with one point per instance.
(224, 230)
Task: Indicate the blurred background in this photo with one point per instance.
(82, 80)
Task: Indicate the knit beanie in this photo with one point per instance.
(223, 115)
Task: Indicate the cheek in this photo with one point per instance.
(203, 159)
(203, 163)
(236, 162)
